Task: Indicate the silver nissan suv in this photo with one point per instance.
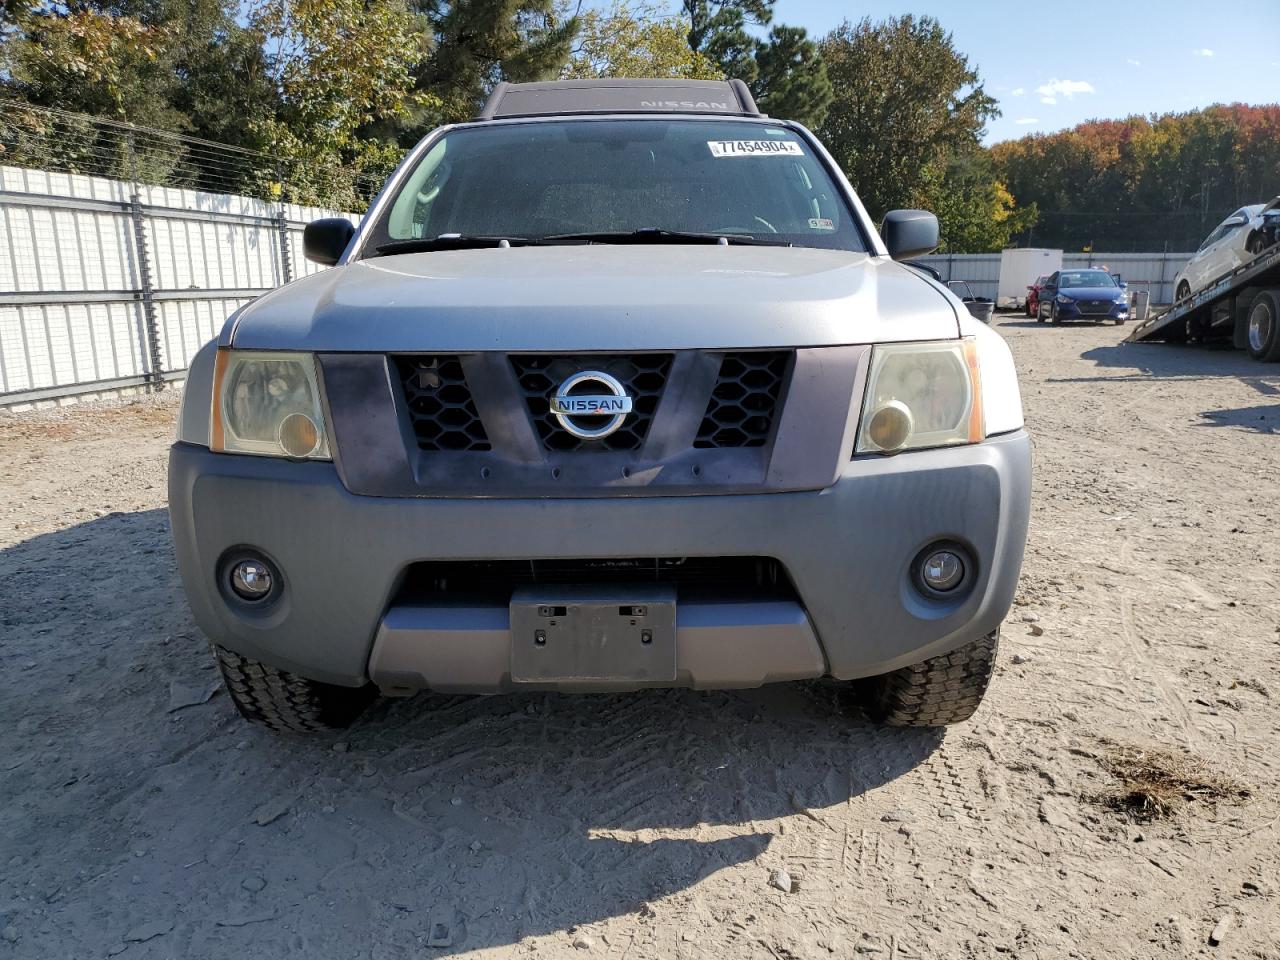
(614, 387)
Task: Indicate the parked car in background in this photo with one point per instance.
(1237, 239)
(1083, 295)
(1033, 295)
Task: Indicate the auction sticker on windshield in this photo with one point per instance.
(754, 148)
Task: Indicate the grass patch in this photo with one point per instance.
(1153, 784)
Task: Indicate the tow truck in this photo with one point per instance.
(1242, 306)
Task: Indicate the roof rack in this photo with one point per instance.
(729, 98)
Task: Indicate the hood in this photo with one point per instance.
(598, 297)
(1092, 293)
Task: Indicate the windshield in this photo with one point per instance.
(555, 178)
(1085, 278)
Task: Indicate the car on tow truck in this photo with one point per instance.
(615, 387)
(1236, 240)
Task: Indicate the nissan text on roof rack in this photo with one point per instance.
(615, 387)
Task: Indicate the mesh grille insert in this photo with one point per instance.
(443, 414)
(643, 376)
(741, 410)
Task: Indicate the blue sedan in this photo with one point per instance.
(1083, 295)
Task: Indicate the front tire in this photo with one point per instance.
(1263, 326)
(1255, 244)
(1183, 291)
(941, 690)
(286, 702)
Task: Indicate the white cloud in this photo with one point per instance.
(1017, 92)
(1134, 63)
(1067, 89)
(1202, 52)
(1026, 120)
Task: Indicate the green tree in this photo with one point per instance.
(88, 60)
(477, 43)
(341, 66)
(784, 71)
(908, 104)
(720, 30)
(635, 42)
(976, 212)
(791, 78)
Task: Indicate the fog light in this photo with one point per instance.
(942, 570)
(251, 580)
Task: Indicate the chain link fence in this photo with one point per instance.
(123, 249)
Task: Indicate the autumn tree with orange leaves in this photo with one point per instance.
(1158, 183)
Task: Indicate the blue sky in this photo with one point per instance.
(1054, 65)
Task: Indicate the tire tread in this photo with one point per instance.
(284, 701)
(937, 692)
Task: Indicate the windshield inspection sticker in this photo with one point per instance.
(754, 148)
(821, 223)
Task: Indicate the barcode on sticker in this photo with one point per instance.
(754, 148)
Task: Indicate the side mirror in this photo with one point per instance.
(325, 241)
(1119, 280)
(909, 233)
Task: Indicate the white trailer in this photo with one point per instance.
(1019, 268)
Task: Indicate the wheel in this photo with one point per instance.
(1264, 326)
(1027, 307)
(1183, 291)
(939, 691)
(286, 702)
(1039, 313)
(1053, 314)
(1255, 244)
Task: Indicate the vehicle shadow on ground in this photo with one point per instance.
(443, 822)
(1264, 419)
(1173, 361)
(1045, 324)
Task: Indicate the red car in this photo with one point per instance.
(1033, 295)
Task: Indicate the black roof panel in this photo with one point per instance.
(555, 97)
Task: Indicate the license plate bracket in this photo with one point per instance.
(602, 633)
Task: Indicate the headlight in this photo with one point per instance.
(1063, 298)
(921, 395)
(268, 404)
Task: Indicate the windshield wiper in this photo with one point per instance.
(658, 235)
(451, 241)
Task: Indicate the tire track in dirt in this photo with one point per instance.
(1138, 646)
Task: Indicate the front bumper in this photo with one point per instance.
(847, 548)
(1073, 311)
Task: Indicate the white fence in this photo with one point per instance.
(1152, 271)
(107, 285)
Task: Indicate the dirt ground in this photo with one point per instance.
(1116, 796)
